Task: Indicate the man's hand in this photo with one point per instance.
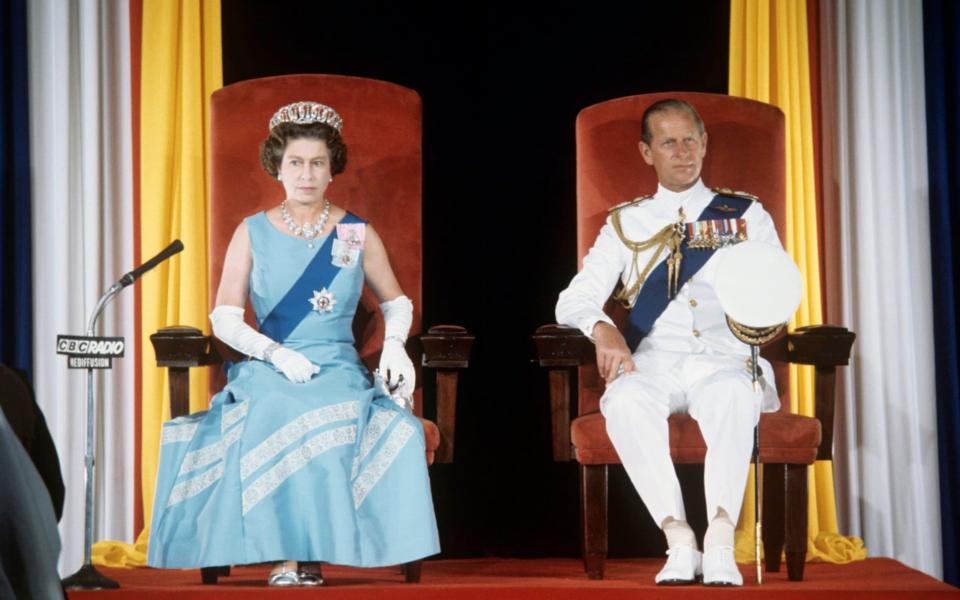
(612, 351)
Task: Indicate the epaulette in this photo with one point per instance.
(633, 202)
(729, 192)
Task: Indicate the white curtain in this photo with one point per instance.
(886, 444)
(81, 180)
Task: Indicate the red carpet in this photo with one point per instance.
(541, 579)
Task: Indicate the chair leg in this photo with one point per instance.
(773, 507)
(593, 504)
(796, 530)
(411, 571)
(209, 575)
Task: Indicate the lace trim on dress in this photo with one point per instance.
(381, 462)
(210, 454)
(280, 439)
(295, 460)
(376, 427)
(189, 488)
(232, 416)
(174, 432)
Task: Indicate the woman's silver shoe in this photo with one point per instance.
(309, 578)
(283, 579)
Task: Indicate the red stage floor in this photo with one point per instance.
(541, 579)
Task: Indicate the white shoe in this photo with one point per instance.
(719, 567)
(682, 568)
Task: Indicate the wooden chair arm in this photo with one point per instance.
(561, 349)
(562, 346)
(820, 345)
(179, 348)
(446, 348)
(825, 347)
(183, 346)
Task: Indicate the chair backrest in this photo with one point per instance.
(382, 182)
(745, 151)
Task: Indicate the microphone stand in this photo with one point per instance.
(88, 577)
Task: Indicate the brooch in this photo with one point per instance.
(322, 301)
(353, 234)
(343, 254)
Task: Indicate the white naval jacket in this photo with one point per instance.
(693, 321)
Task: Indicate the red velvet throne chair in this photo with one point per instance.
(745, 152)
(382, 182)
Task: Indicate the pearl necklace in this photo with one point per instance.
(306, 230)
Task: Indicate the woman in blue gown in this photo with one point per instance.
(301, 459)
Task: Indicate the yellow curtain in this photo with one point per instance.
(770, 62)
(181, 66)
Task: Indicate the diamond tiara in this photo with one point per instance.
(307, 112)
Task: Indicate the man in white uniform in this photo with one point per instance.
(681, 357)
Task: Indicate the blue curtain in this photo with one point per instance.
(941, 25)
(16, 313)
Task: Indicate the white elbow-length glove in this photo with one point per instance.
(395, 365)
(229, 326)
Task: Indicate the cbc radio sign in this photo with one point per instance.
(85, 352)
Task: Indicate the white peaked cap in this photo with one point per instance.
(758, 284)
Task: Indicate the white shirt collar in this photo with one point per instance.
(683, 198)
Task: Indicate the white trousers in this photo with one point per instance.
(717, 392)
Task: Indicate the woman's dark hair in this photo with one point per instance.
(271, 149)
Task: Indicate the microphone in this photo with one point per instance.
(174, 247)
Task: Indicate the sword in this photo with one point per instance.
(755, 337)
(394, 391)
(759, 288)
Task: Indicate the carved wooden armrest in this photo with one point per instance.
(181, 346)
(820, 345)
(561, 349)
(562, 346)
(825, 347)
(446, 348)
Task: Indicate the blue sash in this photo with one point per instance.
(652, 299)
(291, 310)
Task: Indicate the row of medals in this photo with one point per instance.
(716, 233)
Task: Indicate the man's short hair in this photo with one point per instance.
(667, 105)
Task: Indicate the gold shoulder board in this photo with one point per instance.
(730, 192)
(633, 202)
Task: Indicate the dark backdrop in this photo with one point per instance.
(501, 86)
(941, 21)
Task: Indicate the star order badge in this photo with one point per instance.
(322, 301)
